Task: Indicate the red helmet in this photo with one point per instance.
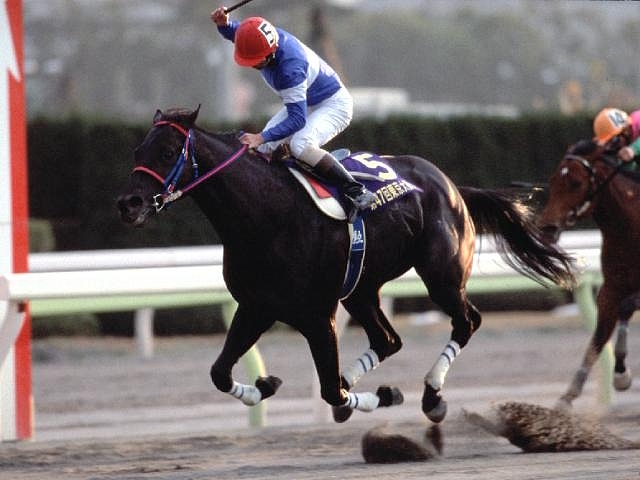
(255, 39)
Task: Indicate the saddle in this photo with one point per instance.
(375, 175)
(367, 168)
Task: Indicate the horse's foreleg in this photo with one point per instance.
(622, 374)
(383, 342)
(324, 349)
(367, 362)
(383, 339)
(580, 377)
(243, 333)
(607, 317)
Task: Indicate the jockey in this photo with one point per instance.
(317, 106)
(615, 129)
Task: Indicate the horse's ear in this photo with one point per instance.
(158, 116)
(192, 117)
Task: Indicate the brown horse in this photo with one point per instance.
(592, 181)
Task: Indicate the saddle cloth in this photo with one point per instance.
(368, 169)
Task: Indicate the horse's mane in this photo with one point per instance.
(633, 175)
(176, 114)
(588, 147)
(182, 116)
(229, 138)
(583, 147)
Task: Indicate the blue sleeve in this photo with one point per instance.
(229, 31)
(296, 119)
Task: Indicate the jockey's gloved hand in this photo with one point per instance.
(220, 17)
(626, 154)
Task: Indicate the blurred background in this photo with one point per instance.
(123, 59)
(491, 91)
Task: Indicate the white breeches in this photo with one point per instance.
(324, 121)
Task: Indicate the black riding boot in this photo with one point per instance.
(333, 171)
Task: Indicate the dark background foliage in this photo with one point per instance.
(77, 168)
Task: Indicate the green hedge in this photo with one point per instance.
(77, 168)
(476, 151)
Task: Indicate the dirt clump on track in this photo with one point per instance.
(104, 413)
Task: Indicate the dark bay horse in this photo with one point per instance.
(590, 181)
(286, 261)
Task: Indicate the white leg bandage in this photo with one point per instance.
(365, 363)
(438, 372)
(365, 402)
(247, 394)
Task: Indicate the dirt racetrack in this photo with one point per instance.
(103, 413)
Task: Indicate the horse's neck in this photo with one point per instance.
(619, 207)
(244, 200)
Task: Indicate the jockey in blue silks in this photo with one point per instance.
(317, 106)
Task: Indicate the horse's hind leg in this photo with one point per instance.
(465, 320)
(445, 283)
(247, 326)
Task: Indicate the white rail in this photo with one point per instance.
(143, 279)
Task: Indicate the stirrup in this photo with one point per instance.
(340, 153)
(364, 199)
(282, 152)
(360, 203)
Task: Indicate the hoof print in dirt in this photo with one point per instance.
(381, 445)
(539, 429)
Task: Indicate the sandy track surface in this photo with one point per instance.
(104, 413)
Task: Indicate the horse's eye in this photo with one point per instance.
(167, 155)
(575, 184)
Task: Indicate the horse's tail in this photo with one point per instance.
(520, 242)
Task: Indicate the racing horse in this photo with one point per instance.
(284, 260)
(590, 181)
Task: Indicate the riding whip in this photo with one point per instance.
(237, 5)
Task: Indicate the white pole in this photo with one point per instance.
(143, 331)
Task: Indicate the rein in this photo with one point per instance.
(170, 194)
(593, 180)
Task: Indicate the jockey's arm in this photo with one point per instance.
(296, 119)
(630, 152)
(290, 83)
(635, 146)
(228, 31)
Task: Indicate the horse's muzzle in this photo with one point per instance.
(551, 233)
(133, 209)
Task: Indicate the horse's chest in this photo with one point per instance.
(621, 266)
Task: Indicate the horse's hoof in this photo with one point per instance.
(432, 404)
(268, 385)
(341, 413)
(389, 396)
(563, 405)
(437, 413)
(622, 381)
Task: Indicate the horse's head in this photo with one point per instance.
(157, 161)
(572, 187)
